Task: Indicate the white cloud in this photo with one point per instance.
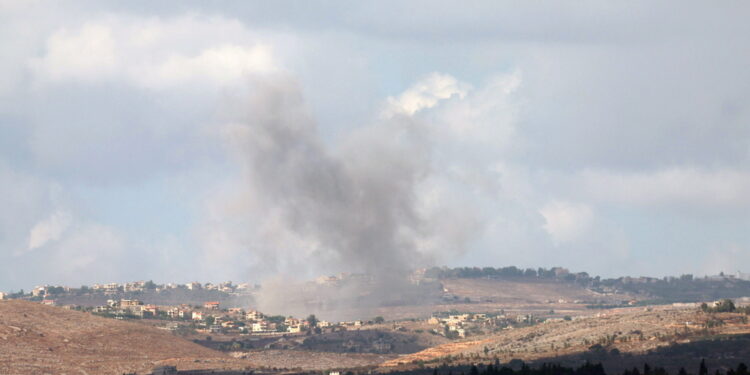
(679, 187)
(88, 53)
(484, 116)
(427, 93)
(49, 229)
(567, 221)
(221, 65)
(153, 53)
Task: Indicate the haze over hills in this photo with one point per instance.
(353, 296)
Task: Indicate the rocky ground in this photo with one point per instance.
(38, 339)
(632, 330)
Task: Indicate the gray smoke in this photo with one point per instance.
(357, 201)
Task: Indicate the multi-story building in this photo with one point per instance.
(254, 315)
(260, 326)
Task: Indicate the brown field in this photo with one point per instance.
(38, 339)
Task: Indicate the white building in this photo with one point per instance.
(260, 326)
(254, 315)
(39, 291)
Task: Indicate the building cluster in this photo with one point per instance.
(49, 292)
(128, 307)
(461, 325)
(457, 324)
(211, 318)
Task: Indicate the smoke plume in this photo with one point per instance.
(356, 202)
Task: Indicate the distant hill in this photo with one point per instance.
(529, 291)
(38, 339)
(670, 289)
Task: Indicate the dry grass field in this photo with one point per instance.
(38, 339)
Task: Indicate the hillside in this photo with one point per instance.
(38, 339)
(522, 291)
(630, 331)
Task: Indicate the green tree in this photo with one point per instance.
(312, 320)
(742, 369)
(703, 369)
(726, 305)
(55, 290)
(278, 319)
(378, 320)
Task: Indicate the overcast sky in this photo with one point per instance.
(606, 137)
